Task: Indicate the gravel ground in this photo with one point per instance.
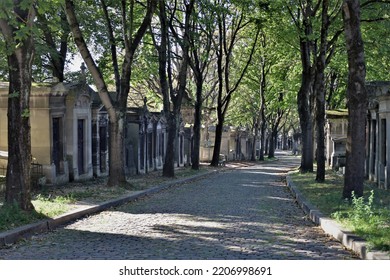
(245, 213)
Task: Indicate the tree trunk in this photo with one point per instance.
(18, 180)
(176, 92)
(305, 116)
(319, 90)
(217, 143)
(356, 101)
(320, 120)
(169, 164)
(20, 58)
(263, 125)
(116, 148)
(266, 146)
(262, 140)
(305, 91)
(197, 126)
(253, 157)
(272, 144)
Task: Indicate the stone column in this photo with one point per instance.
(371, 154)
(387, 167)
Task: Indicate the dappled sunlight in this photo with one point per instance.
(264, 173)
(175, 232)
(254, 185)
(238, 214)
(162, 226)
(279, 198)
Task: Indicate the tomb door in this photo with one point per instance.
(80, 145)
(57, 152)
(103, 148)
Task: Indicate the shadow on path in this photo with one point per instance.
(246, 213)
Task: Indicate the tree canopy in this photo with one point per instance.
(256, 63)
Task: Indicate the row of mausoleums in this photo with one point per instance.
(377, 132)
(70, 135)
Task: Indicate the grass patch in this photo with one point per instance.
(368, 216)
(11, 216)
(51, 207)
(51, 201)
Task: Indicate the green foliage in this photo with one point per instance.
(368, 221)
(15, 94)
(367, 216)
(26, 113)
(51, 207)
(361, 211)
(375, 29)
(12, 216)
(281, 67)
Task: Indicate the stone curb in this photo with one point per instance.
(331, 227)
(27, 231)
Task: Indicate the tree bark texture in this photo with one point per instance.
(20, 58)
(304, 109)
(319, 91)
(256, 136)
(356, 101)
(263, 128)
(197, 124)
(169, 164)
(217, 144)
(116, 152)
(263, 124)
(272, 144)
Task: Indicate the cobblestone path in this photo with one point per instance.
(246, 213)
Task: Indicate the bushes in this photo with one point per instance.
(369, 221)
(367, 216)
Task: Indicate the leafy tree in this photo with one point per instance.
(375, 29)
(16, 22)
(201, 60)
(232, 19)
(132, 33)
(266, 96)
(173, 53)
(303, 15)
(162, 61)
(329, 15)
(52, 43)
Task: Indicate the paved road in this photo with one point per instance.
(246, 213)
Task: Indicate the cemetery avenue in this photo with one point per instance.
(241, 213)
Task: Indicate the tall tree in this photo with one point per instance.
(231, 21)
(273, 70)
(175, 25)
(16, 22)
(303, 20)
(201, 59)
(326, 50)
(357, 101)
(131, 39)
(319, 92)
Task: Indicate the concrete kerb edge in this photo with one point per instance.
(27, 231)
(331, 227)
